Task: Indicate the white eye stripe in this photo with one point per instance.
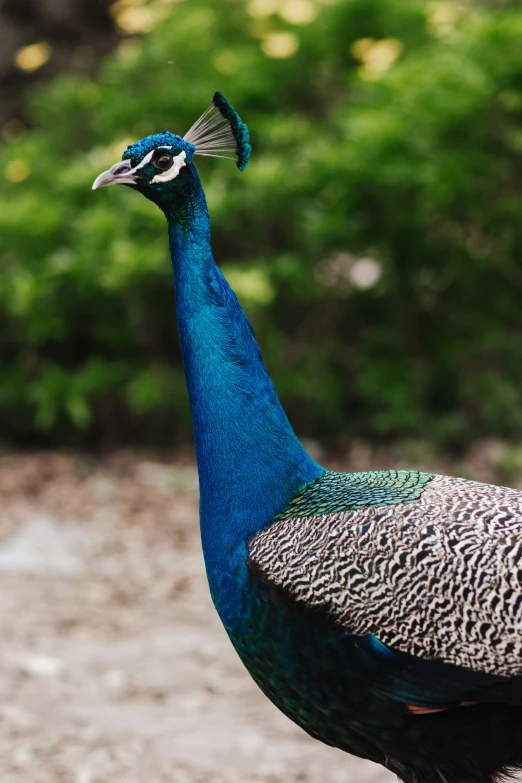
(177, 164)
(165, 176)
(148, 158)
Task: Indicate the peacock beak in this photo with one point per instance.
(119, 174)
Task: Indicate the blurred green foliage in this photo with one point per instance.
(375, 239)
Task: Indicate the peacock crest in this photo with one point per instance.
(221, 133)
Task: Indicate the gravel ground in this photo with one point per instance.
(113, 664)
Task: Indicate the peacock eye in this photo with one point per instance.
(163, 161)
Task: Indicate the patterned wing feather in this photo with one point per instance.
(437, 574)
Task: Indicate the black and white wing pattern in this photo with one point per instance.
(438, 576)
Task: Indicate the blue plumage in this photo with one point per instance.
(380, 611)
(136, 152)
(250, 462)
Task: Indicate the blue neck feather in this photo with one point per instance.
(250, 462)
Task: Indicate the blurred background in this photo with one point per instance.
(375, 241)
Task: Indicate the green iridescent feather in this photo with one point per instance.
(332, 492)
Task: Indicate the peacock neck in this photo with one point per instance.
(250, 462)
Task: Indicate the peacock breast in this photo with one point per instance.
(306, 668)
(297, 663)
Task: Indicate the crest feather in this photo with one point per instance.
(221, 133)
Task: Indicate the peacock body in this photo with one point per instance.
(380, 611)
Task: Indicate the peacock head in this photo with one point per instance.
(161, 166)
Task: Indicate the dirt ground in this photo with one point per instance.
(113, 665)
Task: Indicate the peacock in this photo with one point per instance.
(381, 611)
